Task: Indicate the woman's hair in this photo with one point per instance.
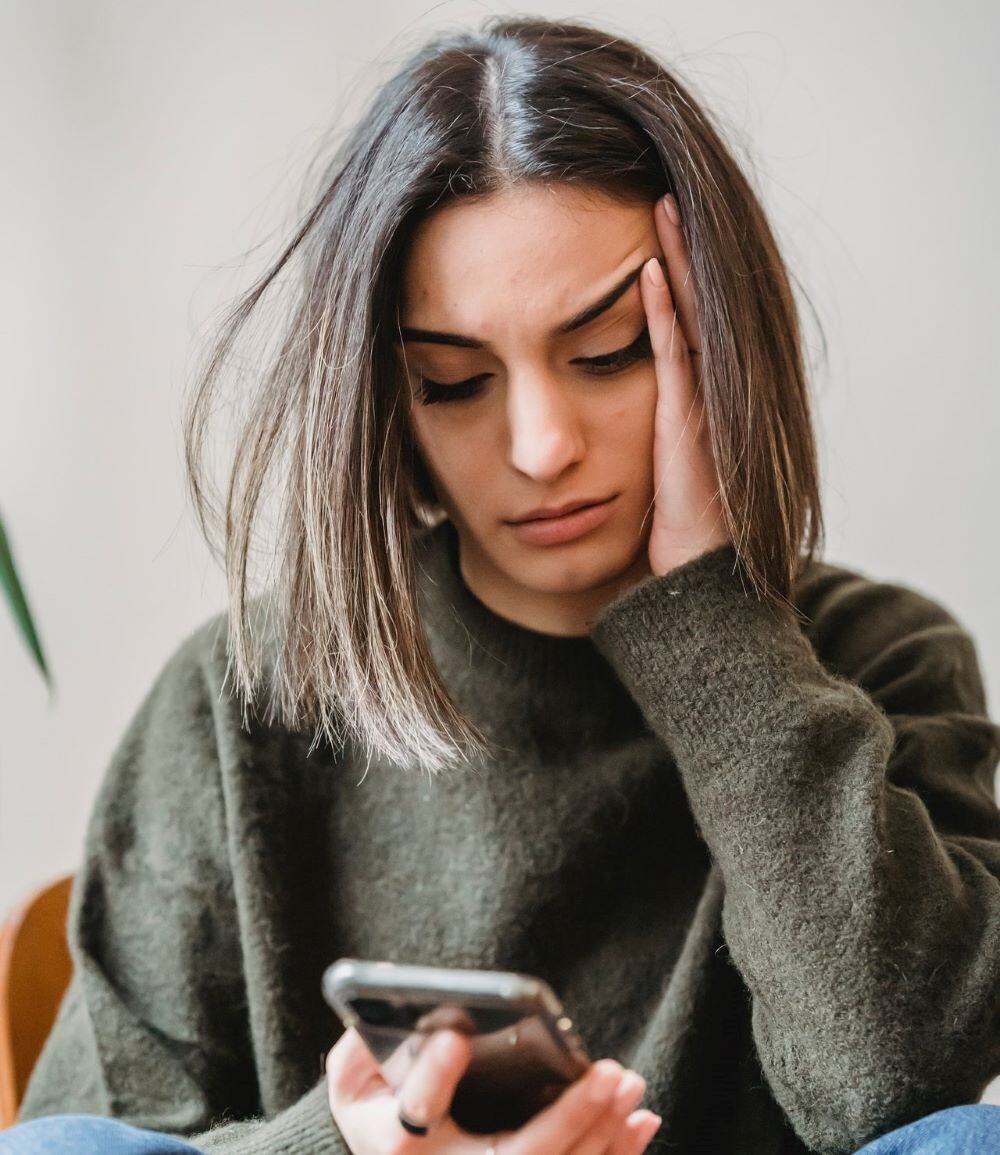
(469, 114)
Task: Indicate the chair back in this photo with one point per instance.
(35, 969)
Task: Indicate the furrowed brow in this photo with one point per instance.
(584, 317)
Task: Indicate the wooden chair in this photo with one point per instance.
(35, 969)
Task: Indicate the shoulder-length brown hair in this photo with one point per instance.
(469, 113)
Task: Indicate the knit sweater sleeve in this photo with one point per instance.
(153, 1027)
(849, 807)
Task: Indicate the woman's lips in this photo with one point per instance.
(556, 530)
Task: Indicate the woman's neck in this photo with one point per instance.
(562, 613)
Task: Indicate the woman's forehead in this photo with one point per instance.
(531, 257)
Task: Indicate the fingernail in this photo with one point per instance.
(655, 272)
(651, 1127)
(419, 1114)
(443, 1043)
(604, 1079)
(670, 204)
(630, 1091)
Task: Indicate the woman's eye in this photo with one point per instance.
(433, 392)
(621, 358)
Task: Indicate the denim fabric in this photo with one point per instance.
(87, 1135)
(972, 1129)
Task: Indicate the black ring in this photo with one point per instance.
(413, 1128)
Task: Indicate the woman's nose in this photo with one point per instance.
(545, 430)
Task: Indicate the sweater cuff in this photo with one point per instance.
(702, 654)
(306, 1127)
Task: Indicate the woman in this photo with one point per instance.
(733, 802)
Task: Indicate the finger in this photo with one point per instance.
(558, 1127)
(634, 1136)
(672, 361)
(679, 274)
(351, 1069)
(609, 1125)
(658, 299)
(683, 468)
(427, 1091)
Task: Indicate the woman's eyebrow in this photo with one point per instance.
(584, 317)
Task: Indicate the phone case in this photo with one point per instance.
(525, 1050)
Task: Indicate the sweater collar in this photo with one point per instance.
(469, 641)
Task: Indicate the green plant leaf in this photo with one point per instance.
(18, 603)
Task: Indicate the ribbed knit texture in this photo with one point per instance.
(758, 859)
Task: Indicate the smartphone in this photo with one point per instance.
(525, 1050)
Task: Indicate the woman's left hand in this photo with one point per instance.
(687, 517)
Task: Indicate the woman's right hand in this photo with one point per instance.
(593, 1116)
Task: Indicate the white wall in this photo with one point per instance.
(146, 146)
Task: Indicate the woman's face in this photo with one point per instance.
(540, 423)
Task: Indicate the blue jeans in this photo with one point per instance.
(87, 1135)
(971, 1129)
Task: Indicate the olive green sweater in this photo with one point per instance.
(757, 856)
